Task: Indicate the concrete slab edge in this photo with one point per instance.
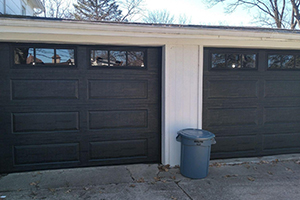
(264, 159)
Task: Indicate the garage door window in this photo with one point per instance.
(285, 62)
(118, 58)
(233, 61)
(44, 56)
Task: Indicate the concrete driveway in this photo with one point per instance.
(253, 178)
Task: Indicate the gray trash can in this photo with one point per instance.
(195, 152)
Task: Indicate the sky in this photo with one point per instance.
(199, 13)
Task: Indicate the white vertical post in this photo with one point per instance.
(165, 138)
(200, 86)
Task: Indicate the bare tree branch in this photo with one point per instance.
(131, 8)
(159, 17)
(55, 9)
(274, 10)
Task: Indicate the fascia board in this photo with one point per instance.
(137, 30)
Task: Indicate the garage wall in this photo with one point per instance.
(182, 59)
(181, 104)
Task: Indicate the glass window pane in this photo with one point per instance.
(274, 61)
(99, 58)
(65, 57)
(44, 56)
(24, 55)
(288, 62)
(135, 58)
(297, 66)
(218, 61)
(233, 61)
(117, 58)
(248, 61)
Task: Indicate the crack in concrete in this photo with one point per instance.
(131, 175)
(177, 183)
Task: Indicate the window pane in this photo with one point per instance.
(297, 62)
(274, 61)
(24, 55)
(218, 61)
(233, 61)
(288, 62)
(44, 56)
(65, 57)
(135, 58)
(99, 58)
(248, 61)
(117, 58)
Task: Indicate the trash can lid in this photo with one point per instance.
(198, 134)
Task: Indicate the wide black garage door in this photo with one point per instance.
(74, 106)
(252, 101)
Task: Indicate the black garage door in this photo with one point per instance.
(74, 106)
(252, 101)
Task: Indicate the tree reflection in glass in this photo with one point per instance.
(233, 61)
(274, 61)
(218, 60)
(24, 55)
(278, 61)
(135, 58)
(248, 61)
(117, 58)
(99, 58)
(288, 62)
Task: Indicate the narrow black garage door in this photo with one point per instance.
(252, 101)
(75, 106)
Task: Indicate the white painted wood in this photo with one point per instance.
(142, 30)
(181, 100)
(200, 84)
(165, 146)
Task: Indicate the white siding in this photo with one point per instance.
(29, 9)
(2, 6)
(13, 7)
(181, 96)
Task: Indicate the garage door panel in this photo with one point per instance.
(118, 149)
(235, 130)
(231, 116)
(99, 89)
(45, 122)
(281, 115)
(282, 88)
(232, 89)
(235, 144)
(283, 142)
(44, 89)
(47, 153)
(118, 119)
(115, 145)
